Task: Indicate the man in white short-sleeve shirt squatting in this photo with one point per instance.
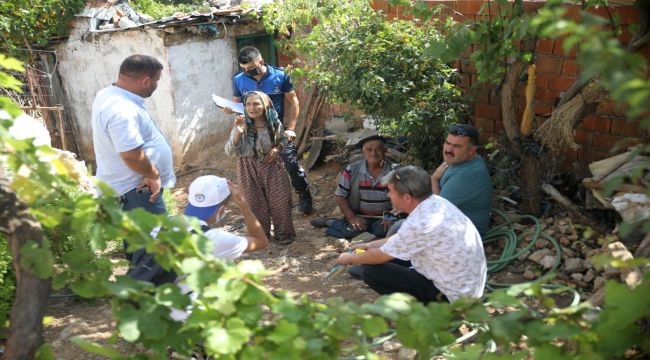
(207, 199)
(436, 254)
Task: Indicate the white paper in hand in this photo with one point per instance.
(225, 103)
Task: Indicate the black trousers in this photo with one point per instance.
(297, 174)
(397, 276)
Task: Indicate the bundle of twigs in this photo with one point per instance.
(556, 133)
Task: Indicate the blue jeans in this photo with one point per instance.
(140, 199)
(297, 174)
(342, 229)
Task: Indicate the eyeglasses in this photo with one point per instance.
(399, 177)
(460, 130)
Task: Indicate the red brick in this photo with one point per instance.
(546, 96)
(628, 15)
(381, 5)
(605, 142)
(602, 11)
(596, 123)
(547, 64)
(543, 109)
(458, 17)
(467, 67)
(559, 49)
(609, 107)
(465, 81)
(624, 127)
(570, 154)
(573, 12)
(569, 67)
(532, 7)
(541, 81)
(484, 125)
(545, 46)
(582, 137)
(495, 97)
(588, 156)
(482, 97)
(487, 111)
(469, 7)
(560, 83)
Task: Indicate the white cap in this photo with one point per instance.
(206, 193)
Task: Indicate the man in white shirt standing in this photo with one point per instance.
(133, 156)
(436, 254)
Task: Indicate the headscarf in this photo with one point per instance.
(270, 115)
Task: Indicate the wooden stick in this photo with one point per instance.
(551, 191)
(591, 184)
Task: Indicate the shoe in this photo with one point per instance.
(305, 205)
(321, 222)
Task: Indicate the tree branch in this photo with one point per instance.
(25, 331)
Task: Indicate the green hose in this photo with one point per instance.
(509, 253)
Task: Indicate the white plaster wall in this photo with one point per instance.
(181, 106)
(201, 68)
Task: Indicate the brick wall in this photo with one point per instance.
(556, 72)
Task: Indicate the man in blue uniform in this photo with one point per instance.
(273, 81)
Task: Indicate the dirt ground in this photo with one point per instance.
(300, 267)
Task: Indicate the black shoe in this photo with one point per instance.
(321, 222)
(305, 203)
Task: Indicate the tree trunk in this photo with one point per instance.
(531, 197)
(509, 104)
(530, 171)
(26, 322)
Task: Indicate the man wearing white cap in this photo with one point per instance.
(207, 200)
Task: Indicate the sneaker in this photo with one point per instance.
(321, 222)
(305, 203)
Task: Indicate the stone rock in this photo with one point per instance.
(73, 328)
(548, 261)
(391, 346)
(577, 277)
(529, 274)
(363, 237)
(538, 255)
(590, 275)
(406, 354)
(574, 265)
(599, 282)
(568, 253)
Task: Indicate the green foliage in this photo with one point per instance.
(497, 43)
(7, 285)
(381, 67)
(159, 9)
(28, 22)
(235, 316)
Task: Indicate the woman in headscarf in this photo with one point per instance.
(256, 139)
